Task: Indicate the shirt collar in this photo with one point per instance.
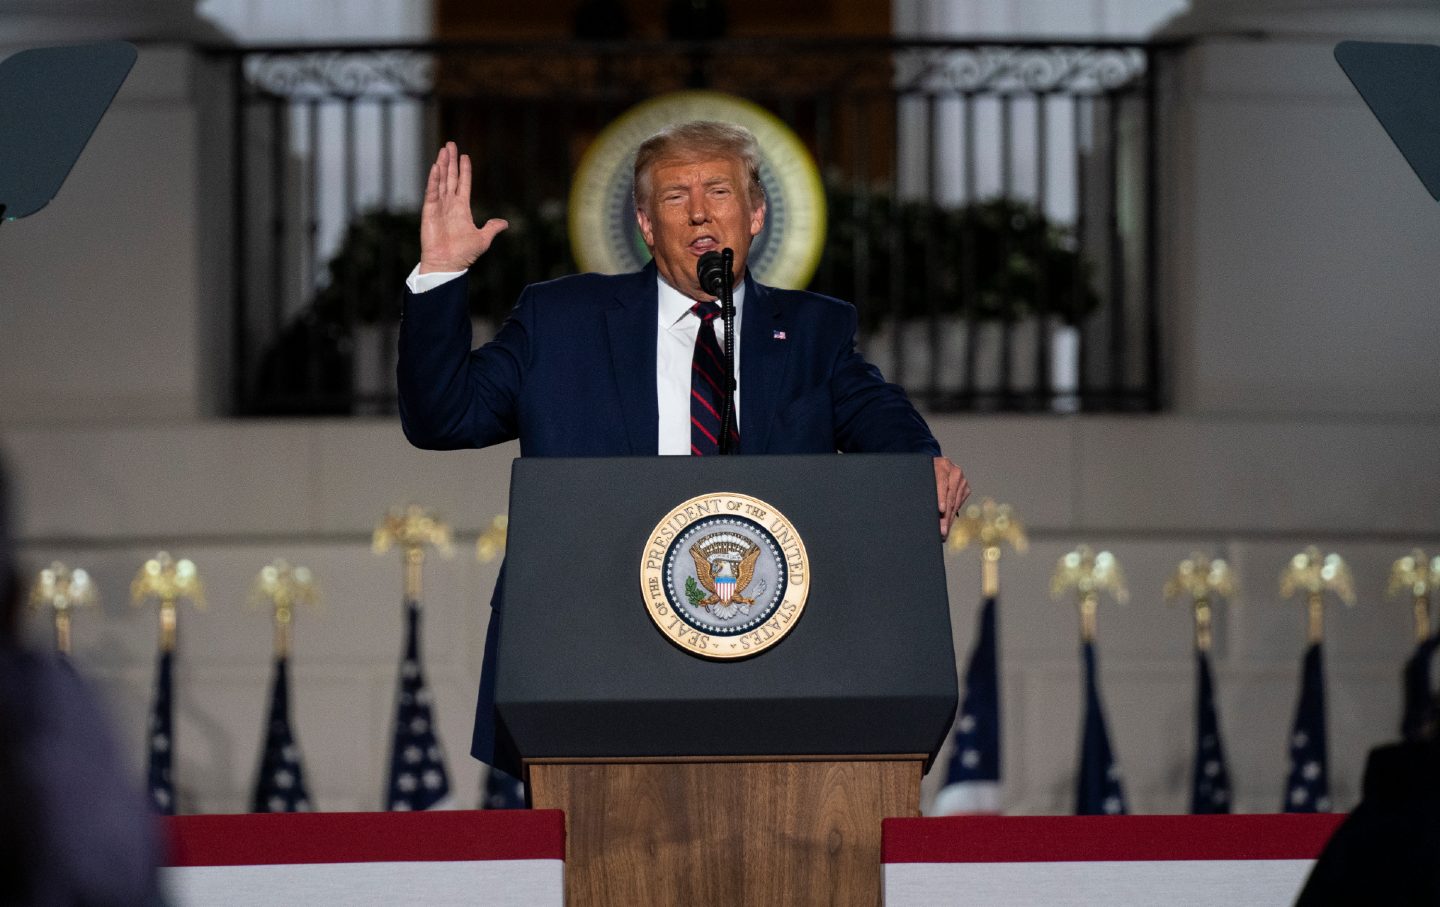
(675, 305)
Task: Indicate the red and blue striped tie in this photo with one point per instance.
(707, 377)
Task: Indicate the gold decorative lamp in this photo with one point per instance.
(1201, 580)
(1088, 574)
(491, 543)
(992, 526)
(282, 587)
(62, 590)
(1310, 573)
(1411, 574)
(167, 581)
(412, 529)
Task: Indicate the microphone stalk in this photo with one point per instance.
(716, 272)
(727, 312)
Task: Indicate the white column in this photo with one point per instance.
(115, 300)
(30, 23)
(1301, 256)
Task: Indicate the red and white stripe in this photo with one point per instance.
(1120, 861)
(505, 858)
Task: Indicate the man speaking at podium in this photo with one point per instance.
(630, 365)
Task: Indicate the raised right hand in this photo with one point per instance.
(449, 239)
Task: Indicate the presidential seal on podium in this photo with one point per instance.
(725, 575)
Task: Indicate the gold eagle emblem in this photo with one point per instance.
(706, 572)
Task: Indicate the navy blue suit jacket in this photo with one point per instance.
(571, 373)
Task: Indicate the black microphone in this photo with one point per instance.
(711, 271)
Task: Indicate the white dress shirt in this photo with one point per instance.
(674, 351)
(675, 333)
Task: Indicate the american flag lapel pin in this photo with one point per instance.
(777, 335)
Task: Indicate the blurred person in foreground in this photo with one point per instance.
(1387, 851)
(74, 830)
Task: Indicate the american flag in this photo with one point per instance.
(1210, 784)
(417, 766)
(972, 780)
(1419, 689)
(280, 786)
(161, 742)
(1308, 788)
(503, 791)
(1098, 789)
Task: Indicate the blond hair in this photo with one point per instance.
(699, 140)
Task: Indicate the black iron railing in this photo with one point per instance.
(992, 205)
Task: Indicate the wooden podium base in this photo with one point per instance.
(703, 832)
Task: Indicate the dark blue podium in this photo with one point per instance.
(753, 779)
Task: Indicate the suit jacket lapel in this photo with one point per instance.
(762, 365)
(631, 324)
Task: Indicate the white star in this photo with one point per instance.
(1300, 740)
(290, 753)
(1113, 772)
(970, 758)
(1112, 806)
(406, 782)
(434, 753)
(162, 796)
(277, 804)
(400, 806)
(1298, 796)
(1220, 796)
(422, 696)
(418, 725)
(1311, 771)
(160, 743)
(284, 780)
(433, 780)
(1212, 768)
(409, 670)
(967, 723)
(412, 754)
(1323, 804)
(302, 805)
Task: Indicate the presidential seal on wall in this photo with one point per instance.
(725, 575)
(603, 233)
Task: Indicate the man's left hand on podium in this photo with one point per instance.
(952, 489)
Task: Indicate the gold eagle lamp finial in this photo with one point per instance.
(1201, 580)
(412, 529)
(992, 526)
(1088, 574)
(283, 587)
(1410, 574)
(1314, 575)
(164, 580)
(62, 589)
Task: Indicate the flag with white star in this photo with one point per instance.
(1098, 788)
(1307, 790)
(1210, 784)
(280, 785)
(972, 779)
(417, 766)
(161, 740)
(1419, 690)
(503, 790)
